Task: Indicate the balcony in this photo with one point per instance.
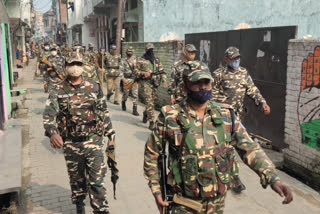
(102, 7)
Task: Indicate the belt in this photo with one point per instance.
(113, 67)
(80, 138)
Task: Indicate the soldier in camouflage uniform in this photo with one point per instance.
(150, 70)
(231, 84)
(128, 66)
(100, 66)
(201, 135)
(43, 54)
(55, 75)
(76, 119)
(175, 91)
(89, 61)
(112, 63)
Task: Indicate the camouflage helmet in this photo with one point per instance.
(232, 52)
(197, 71)
(190, 48)
(74, 57)
(149, 46)
(130, 49)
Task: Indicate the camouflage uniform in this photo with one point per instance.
(80, 116)
(43, 54)
(127, 71)
(151, 84)
(100, 64)
(175, 91)
(231, 86)
(51, 77)
(89, 61)
(201, 155)
(112, 64)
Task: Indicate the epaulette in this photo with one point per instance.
(220, 105)
(170, 110)
(242, 69)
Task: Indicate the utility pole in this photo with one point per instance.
(61, 33)
(119, 26)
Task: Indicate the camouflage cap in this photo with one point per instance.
(149, 46)
(130, 49)
(75, 57)
(197, 71)
(190, 48)
(232, 52)
(54, 46)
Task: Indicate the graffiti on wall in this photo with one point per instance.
(309, 100)
(205, 51)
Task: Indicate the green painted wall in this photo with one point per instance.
(6, 68)
(10, 52)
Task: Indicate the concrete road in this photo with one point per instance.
(45, 180)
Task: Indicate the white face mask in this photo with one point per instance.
(53, 53)
(74, 71)
(46, 48)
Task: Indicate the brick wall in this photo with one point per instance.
(302, 123)
(167, 52)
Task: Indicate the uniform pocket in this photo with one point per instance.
(189, 171)
(223, 168)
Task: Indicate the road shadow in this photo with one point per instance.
(37, 111)
(51, 197)
(46, 143)
(42, 99)
(142, 135)
(36, 90)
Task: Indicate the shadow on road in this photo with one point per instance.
(46, 143)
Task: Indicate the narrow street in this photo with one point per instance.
(46, 183)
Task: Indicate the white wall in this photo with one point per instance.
(87, 29)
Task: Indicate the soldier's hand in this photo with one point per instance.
(147, 75)
(124, 81)
(160, 203)
(56, 141)
(111, 143)
(266, 109)
(283, 191)
(172, 101)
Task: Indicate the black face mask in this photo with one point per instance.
(129, 55)
(149, 55)
(201, 96)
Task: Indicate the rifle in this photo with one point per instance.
(52, 68)
(136, 80)
(112, 164)
(165, 188)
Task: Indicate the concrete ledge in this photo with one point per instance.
(306, 176)
(10, 158)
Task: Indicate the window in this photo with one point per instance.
(134, 4)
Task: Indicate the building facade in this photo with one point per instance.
(168, 20)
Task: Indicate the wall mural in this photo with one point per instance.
(309, 109)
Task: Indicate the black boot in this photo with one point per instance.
(151, 125)
(80, 208)
(124, 107)
(238, 186)
(135, 110)
(108, 96)
(145, 118)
